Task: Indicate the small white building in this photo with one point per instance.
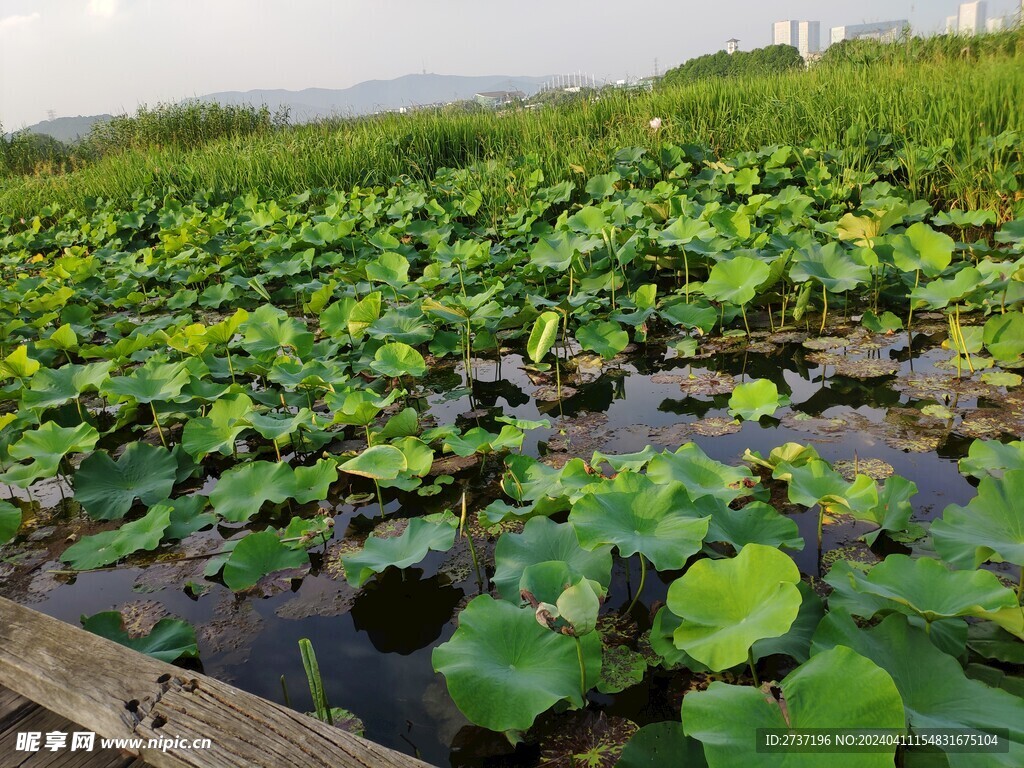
(971, 18)
(732, 45)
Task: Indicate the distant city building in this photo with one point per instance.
(495, 99)
(731, 46)
(805, 36)
(883, 31)
(951, 24)
(971, 18)
(997, 24)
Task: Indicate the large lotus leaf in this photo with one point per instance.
(274, 426)
(18, 364)
(479, 440)
(832, 266)
(989, 528)
(379, 462)
(313, 483)
(893, 510)
(10, 521)
(503, 669)
(406, 324)
(932, 684)
(728, 605)
(543, 540)
(925, 587)
(817, 483)
(46, 446)
(991, 457)
(941, 293)
(153, 382)
(52, 387)
(269, 330)
(637, 515)
(107, 489)
(604, 337)
(554, 251)
(217, 431)
(922, 248)
(168, 641)
(419, 537)
(242, 490)
(624, 462)
(683, 231)
(108, 547)
(755, 399)
(1003, 336)
(390, 268)
(396, 359)
(691, 315)
(756, 523)
(257, 555)
(542, 337)
(702, 475)
(662, 745)
(735, 281)
(838, 688)
(527, 479)
(187, 516)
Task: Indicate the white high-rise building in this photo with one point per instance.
(884, 31)
(951, 24)
(971, 19)
(995, 24)
(805, 36)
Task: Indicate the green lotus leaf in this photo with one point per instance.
(941, 293)
(419, 537)
(702, 475)
(989, 528)
(154, 381)
(756, 523)
(1003, 337)
(10, 521)
(313, 483)
(796, 643)
(735, 281)
(18, 364)
(108, 489)
(755, 399)
(269, 330)
(817, 483)
(545, 582)
(168, 641)
(527, 479)
(396, 359)
(725, 717)
(218, 430)
(932, 684)
(691, 315)
(187, 516)
(52, 387)
(579, 605)
(684, 230)
(479, 440)
(543, 540)
(542, 337)
(621, 668)
(503, 669)
(404, 324)
(991, 457)
(390, 268)
(46, 446)
(379, 462)
(105, 548)
(893, 510)
(638, 516)
(662, 745)
(926, 588)
(274, 426)
(242, 490)
(887, 322)
(223, 332)
(623, 462)
(831, 266)
(923, 249)
(728, 605)
(258, 555)
(604, 337)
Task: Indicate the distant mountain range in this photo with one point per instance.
(314, 103)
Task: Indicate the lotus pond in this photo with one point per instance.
(677, 452)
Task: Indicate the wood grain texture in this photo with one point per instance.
(119, 693)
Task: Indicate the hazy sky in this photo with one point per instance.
(94, 56)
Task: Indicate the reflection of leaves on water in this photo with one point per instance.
(715, 426)
(402, 612)
(232, 631)
(319, 597)
(873, 468)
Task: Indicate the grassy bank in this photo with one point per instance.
(929, 120)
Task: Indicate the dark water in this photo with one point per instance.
(375, 658)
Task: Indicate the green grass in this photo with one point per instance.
(902, 103)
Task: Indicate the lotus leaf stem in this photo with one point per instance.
(583, 669)
(753, 669)
(157, 423)
(643, 579)
(824, 312)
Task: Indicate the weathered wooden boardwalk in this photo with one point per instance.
(19, 715)
(68, 675)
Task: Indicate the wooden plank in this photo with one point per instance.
(119, 693)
